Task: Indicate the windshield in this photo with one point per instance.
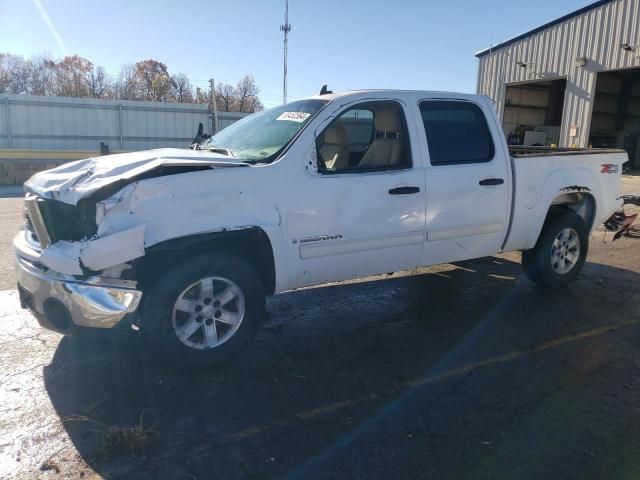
(260, 137)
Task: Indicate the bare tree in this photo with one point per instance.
(126, 87)
(18, 72)
(225, 97)
(99, 83)
(181, 89)
(43, 76)
(247, 95)
(5, 75)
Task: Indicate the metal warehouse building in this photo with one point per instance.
(572, 82)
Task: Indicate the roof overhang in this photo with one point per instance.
(539, 29)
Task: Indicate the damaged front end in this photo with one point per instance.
(88, 222)
(69, 238)
(58, 258)
(63, 221)
(62, 302)
(67, 206)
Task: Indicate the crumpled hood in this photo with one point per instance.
(73, 181)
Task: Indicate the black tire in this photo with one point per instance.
(158, 310)
(537, 262)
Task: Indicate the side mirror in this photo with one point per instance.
(200, 135)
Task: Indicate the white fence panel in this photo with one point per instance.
(61, 123)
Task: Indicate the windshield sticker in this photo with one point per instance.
(294, 116)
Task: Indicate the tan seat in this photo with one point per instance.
(334, 149)
(386, 148)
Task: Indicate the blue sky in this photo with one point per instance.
(348, 44)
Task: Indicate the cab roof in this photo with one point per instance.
(400, 93)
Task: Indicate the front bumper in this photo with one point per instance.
(60, 302)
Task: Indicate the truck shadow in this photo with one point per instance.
(334, 365)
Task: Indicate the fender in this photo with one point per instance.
(250, 243)
(165, 208)
(535, 195)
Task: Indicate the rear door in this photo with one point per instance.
(468, 188)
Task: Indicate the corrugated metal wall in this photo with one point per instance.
(596, 34)
(60, 123)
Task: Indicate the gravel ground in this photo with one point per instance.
(458, 372)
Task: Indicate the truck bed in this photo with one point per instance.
(542, 175)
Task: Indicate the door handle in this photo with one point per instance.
(404, 190)
(491, 182)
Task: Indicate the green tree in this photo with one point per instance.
(153, 80)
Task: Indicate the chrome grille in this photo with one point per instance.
(34, 223)
(29, 231)
(27, 221)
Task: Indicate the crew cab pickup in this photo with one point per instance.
(186, 243)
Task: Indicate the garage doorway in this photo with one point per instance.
(533, 112)
(615, 122)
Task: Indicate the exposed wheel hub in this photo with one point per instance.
(208, 311)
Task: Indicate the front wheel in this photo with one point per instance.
(560, 252)
(203, 311)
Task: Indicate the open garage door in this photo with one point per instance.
(533, 112)
(615, 122)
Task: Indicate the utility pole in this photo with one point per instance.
(286, 28)
(213, 107)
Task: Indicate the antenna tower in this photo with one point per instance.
(286, 28)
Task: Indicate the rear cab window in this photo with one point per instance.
(457, 132)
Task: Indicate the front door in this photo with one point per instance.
(362, 212)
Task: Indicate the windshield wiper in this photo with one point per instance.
(213, 148)
(224, 151)
(255, 162)
(229, 153)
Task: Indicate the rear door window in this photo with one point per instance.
(457, 132)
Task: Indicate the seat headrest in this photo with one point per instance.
(336, 134)
(387, 120)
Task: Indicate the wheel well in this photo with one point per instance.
(581, 203)
(251, 244)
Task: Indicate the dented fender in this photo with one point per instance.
(96, 254)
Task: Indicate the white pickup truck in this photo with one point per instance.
(186, 243)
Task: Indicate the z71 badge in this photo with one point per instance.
(610, 168)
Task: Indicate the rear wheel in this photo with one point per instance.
(203, 311)
(560, 252)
